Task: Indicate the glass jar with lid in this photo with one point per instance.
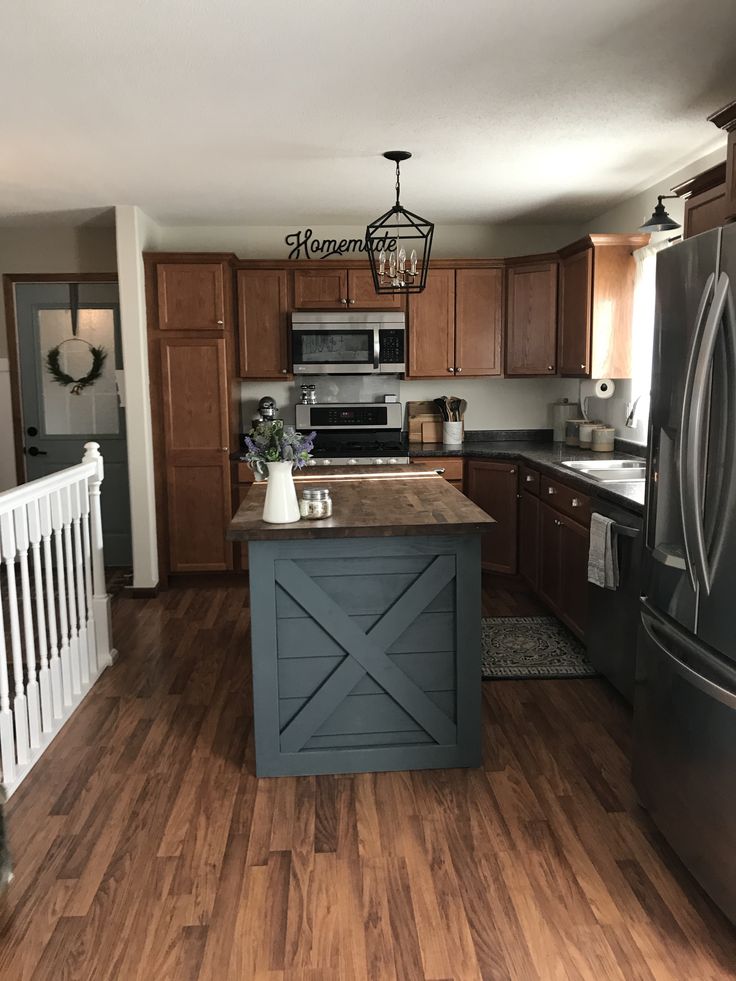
(315, 503)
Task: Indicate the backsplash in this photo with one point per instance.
(493, 403)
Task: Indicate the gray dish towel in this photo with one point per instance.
(603, 553)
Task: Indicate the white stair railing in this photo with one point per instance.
(55, 633)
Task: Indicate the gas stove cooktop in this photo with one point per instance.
(350, 452)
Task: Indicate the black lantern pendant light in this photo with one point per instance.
(660, 220)
(399, 244)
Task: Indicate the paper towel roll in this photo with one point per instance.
(602, 388)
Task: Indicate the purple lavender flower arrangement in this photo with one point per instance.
(273, 442)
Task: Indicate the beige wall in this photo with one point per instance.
(56, 249)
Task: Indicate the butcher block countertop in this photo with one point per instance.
(379, 502)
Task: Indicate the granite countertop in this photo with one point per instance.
(548, 458)
(387, 501)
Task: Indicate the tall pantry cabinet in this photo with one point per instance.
(194, 414)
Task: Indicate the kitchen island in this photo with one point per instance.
(365, 627)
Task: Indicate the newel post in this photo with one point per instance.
(100, 597)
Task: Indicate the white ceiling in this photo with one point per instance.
(230, 111)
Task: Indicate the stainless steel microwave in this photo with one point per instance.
(348, 343)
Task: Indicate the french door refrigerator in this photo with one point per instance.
(685, 700)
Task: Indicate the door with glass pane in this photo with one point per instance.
(71, 386)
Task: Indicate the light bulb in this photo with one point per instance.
(392, 264)
(402, 259)
(381, 262)
(413, 261)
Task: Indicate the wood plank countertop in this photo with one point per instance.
(378, 502)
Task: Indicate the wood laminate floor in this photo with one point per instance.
(146, 849)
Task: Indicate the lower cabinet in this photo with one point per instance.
(492, 485)
(563, 567)
(529, 538)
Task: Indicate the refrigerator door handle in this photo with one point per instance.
(710, 688)
(682, 457)
(697, 424)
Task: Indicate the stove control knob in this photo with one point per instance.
(326, 463)
(311, 463)
(378, 460)
(352, 462)
(392, 459)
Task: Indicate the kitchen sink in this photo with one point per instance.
(610, 471)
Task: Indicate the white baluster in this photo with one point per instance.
(32, 692)
(57, 697)
(20, 709)
(7, 737)
(101, 601)
(94, 666)
(57, 522)
(66, 511)
(44, 677)
(79, 573)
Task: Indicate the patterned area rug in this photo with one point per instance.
(531, 647)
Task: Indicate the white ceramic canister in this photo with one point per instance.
(603, 439)
(452, 433)
(585, 433)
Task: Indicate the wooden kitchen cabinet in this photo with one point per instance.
(595, 306)
(432, 327)
(193, 295)
(563, 567)
(456, 324)
(195, 398)
(340, 288)
(492, 485)
(705, 200)
(725, 119)
(529, 538)
(531, 316)
(263, 327)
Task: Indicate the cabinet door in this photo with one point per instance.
(574, 544)
(198, 491)
(478, 321)
(549, 556)
(263, 308)
(191, 295)
(531, 319)
(432, 327)
(362, 293)
(320, 289)
(576, 306)
(529, 538)
(493, 486)
(705, 211)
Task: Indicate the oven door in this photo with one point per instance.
(328, 349)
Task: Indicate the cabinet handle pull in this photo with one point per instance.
(345, 300)
(529, 478)
(582, 366)
(458, 370)
(550, 367)
(551, 490)
(351, 302)
(512, 470)
(220, 323)
(576, 502)
(451, 370)
(284, 371)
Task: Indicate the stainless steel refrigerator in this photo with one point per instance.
(685, 697)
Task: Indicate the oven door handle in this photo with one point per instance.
(376, 349)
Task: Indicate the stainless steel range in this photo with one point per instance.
(353, 433)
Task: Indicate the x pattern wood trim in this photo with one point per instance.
(366, 652)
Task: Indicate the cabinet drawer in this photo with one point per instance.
(452, 465)
(529, 479)
(565, 499)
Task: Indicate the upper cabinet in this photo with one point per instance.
(595, 306)
(726, 119)
(193, 295)
(705, 200)
(331, 288)
(531, 316)
(263, 313)
(456, 324)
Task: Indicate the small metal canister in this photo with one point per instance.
(315, 503)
